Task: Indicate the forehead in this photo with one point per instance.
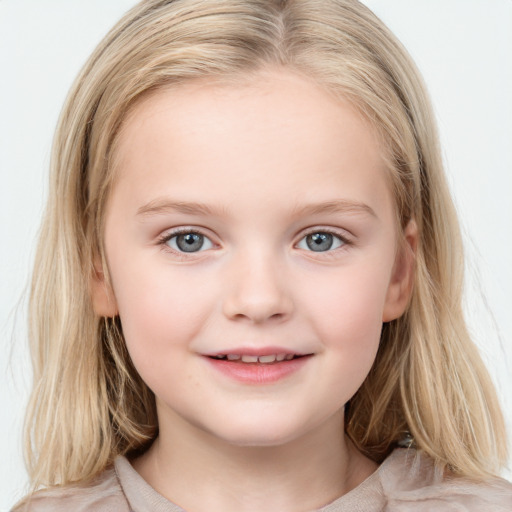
(278, 130)
(273, 98)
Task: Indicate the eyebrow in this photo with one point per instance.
(162, 206)
(337, 206)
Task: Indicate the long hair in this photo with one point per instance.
(89, 404)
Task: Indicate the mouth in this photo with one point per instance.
(257, 359)
(258, 368)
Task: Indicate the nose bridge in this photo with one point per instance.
(257, 289)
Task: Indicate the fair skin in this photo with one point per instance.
(287, 246)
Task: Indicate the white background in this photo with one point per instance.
(463, 48)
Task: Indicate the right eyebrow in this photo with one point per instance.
(162, 206)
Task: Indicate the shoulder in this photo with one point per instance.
(103, 494)
(410, 481)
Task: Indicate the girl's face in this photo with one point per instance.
(249, 225)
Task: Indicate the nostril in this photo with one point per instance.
(257, 296)
(258, 316)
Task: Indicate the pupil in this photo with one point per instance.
(319, 241)
(189, 242)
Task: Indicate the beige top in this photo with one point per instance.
(405, 481)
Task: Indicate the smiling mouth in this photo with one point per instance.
(249, 367)
(253, 359)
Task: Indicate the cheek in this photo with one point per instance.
(160, 312)
(346, 309)
(348, 321)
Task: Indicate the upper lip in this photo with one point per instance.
(256, 351)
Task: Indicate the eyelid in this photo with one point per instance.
(339, 233)
(183, 230)
(162, 240)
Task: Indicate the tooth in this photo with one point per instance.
(250, 359)
(280, 357)
(267, 359)
(288, 357)
(233, 357)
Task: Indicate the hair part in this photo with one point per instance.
(89, 404)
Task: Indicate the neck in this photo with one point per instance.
(303, 474)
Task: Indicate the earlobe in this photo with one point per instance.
(102, 296)
(402, 279)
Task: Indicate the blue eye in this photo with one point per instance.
(189, 242)
(321, 241)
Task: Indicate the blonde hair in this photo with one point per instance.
(89, 404)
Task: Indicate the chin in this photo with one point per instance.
(259, 441)
(259, 433)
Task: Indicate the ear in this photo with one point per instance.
(402, 279)
(102, 295)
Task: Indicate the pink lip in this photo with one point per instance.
(258, 373)
(255, 351)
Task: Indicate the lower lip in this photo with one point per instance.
(258, 373)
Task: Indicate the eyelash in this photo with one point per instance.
(346, 242)
(164, 239)
(341, 236)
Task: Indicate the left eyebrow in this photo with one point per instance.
(337, 206)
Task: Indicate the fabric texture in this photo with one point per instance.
(406, 481)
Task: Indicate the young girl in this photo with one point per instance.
(247, 293)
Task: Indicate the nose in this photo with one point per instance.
(257, 291)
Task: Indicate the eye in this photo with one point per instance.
(188, 241)
(321, 241)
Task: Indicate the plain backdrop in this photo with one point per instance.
(464, 50)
